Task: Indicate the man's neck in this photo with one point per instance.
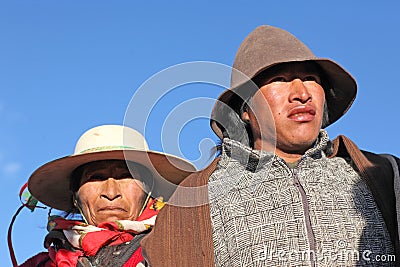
(289, 157)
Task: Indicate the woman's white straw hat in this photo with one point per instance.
(50, 183)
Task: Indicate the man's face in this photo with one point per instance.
(292, 94)
(109, 191)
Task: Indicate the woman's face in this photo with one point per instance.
(109, 191)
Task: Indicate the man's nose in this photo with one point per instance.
(110, 189)
(299, 92)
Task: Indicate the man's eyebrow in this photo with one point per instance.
(94, 169)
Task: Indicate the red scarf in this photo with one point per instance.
(88, 239)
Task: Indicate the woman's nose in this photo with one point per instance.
(110, 189)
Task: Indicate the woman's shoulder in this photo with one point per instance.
(41, 259)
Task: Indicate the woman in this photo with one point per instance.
(112, 180)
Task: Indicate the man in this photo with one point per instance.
(281, 193)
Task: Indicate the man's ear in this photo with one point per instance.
(246, 117)
(245, 114)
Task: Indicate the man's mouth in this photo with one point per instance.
(302, 114)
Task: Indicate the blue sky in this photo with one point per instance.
(67, 66)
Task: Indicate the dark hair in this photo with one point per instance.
(325, 116)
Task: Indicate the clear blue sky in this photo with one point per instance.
(66, 66)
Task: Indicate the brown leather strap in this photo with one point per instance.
(377, 173)
(190, 242)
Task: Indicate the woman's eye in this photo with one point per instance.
(278, 79)
(95, 177)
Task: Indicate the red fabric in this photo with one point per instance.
(91, 242)
(134, 259)
(66, 258)
(42, 257)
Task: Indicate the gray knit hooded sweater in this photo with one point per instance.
(318, 213)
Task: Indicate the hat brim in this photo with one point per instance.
(340, 96)
(50, 183)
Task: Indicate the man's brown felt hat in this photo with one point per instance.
(268, 46)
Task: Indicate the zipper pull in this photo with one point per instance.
(296, 181)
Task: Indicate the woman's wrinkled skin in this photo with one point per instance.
(109, 191)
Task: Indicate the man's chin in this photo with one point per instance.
(298, 148)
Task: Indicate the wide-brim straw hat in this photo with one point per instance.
(51, 183)
(269, 46)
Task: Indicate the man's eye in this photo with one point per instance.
(311, 78)
(125, 175)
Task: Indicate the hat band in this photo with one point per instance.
(105, 148)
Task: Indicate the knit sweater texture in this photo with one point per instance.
(318, 213)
